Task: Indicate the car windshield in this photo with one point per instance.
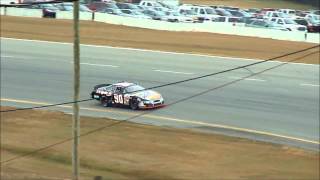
(190, 12)
(134, 88)
(283, 15)
(210, 11)
(225, 13)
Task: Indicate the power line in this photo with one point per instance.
(173, 83)
(232, 69)
(45, 106)
(148, 112)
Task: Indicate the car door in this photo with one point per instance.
(118, 95)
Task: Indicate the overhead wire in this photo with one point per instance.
(45, 106)
(172, 83)
(148, 112)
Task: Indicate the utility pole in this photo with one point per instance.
(76, 79)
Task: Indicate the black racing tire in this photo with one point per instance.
(134, 104)
(106, 101)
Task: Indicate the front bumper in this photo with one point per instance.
(151, 104)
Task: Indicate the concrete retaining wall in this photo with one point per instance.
(211, 27)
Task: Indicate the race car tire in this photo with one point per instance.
(106, 102)
(134, 104)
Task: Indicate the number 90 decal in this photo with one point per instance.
(118, 98)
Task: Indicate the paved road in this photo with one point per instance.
(282, 102)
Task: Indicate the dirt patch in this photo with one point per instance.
(116, 35)
(135, 151)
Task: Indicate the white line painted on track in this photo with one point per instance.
(158, 51)
(101, 65)
(313, 85)
(175, 120)
(4, 56)
(173, 72)
(248, 79)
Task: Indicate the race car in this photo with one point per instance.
(127, 94)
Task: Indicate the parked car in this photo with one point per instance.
(127, 94)
(67, 6)
(265, 24)
(155, 15)
(48, 10)
(112, 11)
(313, 18)
(130, 6)
(168, 6)
(276, 14)
(289, 24)
(206, 12)
(133, 13)
(288, 11)
(190, 13)
(316, 12)
(101, 6)
(174, 16)
(240, 13)
(311, 27)
(152, 5)
(203, 13)
(223, 12)
(229, 19)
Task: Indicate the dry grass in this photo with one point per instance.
(135, 151)
(115, 35)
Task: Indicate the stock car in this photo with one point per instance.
(127, 94)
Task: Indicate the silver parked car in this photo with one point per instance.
(259, 23)
(134, 14)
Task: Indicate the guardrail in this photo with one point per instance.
(211, 27)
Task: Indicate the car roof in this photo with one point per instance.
(124, 84)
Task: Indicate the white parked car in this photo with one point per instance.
(174, 16)
(289, 24)
(291, 12)
(313, 18)
(275, 14)
(206, 12)
(202, 12)
(152, 5)
(190, 13)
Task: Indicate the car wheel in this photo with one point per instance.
(134, 104)
(106, 102)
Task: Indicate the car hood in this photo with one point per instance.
(148, 95)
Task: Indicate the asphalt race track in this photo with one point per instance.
(280, 105)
